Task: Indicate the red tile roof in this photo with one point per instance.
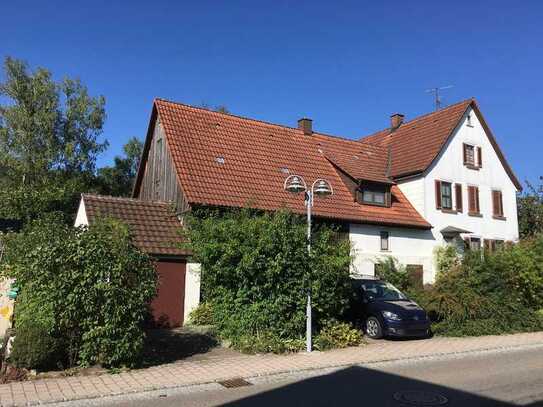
(417, 143)
(226, 160)
(154, 226)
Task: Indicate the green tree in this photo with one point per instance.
(49, 140)
(118, 180)
(530, 210)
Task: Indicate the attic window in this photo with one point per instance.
(470, 124)
(285, 170)
(374, 194)
(219, 160)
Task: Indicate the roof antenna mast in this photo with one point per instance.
(435, 91)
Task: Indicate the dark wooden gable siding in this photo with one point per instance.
(159, 181)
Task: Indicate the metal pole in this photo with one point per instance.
(309, 203)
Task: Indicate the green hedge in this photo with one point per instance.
(489, 293)
(256, 272)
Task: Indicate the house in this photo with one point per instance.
(439, 178)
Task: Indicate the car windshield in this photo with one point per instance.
(379, 290)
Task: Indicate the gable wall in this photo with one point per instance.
(449, 167)
(159, 180)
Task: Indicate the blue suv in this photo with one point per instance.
(387, 312)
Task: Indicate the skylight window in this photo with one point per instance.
(220, 160)
(285, 170)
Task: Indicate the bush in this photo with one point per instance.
(94, 283)
(202, 315)
(267, 342)
(446, 257)
(35, 348)
(490, 293)
(337, 335)
(256, 273)
(389, 269)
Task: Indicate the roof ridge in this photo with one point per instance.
(122, 198)
(283, 126)
(425, 115)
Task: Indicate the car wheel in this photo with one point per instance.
(373, 328)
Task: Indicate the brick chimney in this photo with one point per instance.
(306, 125)
(396, 120)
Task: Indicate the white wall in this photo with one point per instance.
(81, 218)
(409, 246)
(492, 175)
(412, 247)
(192, 289)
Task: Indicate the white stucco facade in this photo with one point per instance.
(412, 246)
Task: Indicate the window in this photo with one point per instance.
(373, 193)
(492, 245)
(384, 241)
(458, 196)
(497, 204)
(469, 155)
(446, 195)
(443, 195)
(373, 197)
(479, 157)
(475, 243)
(470, 123)
(473, 200)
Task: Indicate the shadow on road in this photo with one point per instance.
(169, 345)
(357, 386)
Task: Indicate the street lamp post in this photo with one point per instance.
(320, 188)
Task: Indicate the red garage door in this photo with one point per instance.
(168, 306)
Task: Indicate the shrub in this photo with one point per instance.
(388, 268)
(95, 282)
(202, 315)
(490, 293)
(35, 348)
(337, 335)
(256, 272)
(267, 342)
(446, 257)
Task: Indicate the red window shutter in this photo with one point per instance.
(459, 201)
(495, 203)
(478, 210)
(438, 194)
(479, 157)
(471, 206)
(465, 153)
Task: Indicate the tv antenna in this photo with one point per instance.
(436, 91)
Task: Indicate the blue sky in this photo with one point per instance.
(347, 65)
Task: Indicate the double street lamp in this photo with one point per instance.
(320, 188)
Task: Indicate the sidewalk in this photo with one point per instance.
(190, 372)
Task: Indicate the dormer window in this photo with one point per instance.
(374, 194)
(373, 197)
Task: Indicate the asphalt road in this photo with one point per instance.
(504, 378)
